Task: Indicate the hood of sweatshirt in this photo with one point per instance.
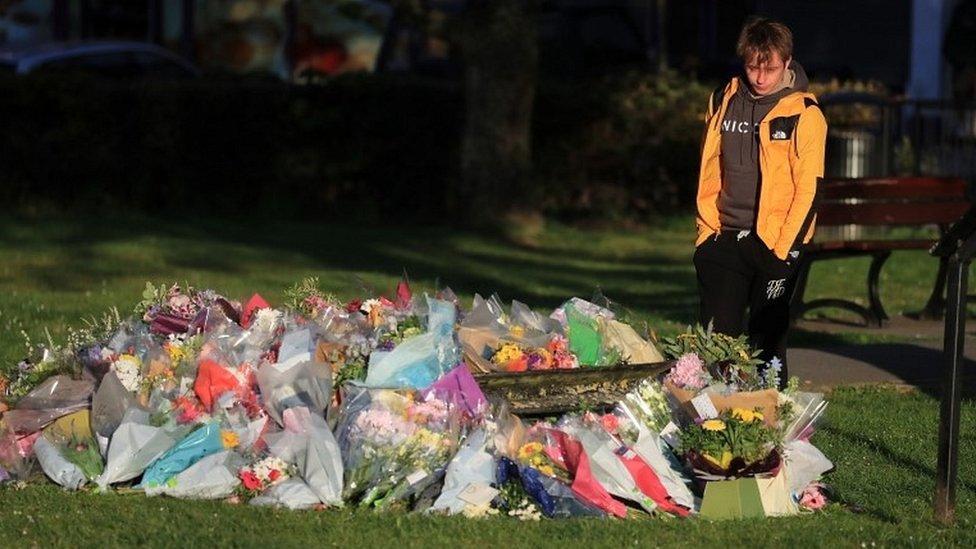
(740, 147)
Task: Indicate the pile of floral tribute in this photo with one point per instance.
(319, 403)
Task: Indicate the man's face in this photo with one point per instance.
(765, 77)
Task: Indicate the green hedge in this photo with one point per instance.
(627, 146)
(381, 147)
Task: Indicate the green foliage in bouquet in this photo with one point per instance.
(18, 380)
(648, 404)
(736, 433)
(731, 359)
(516, 502)
(151, 297)
(405, 329)
(184, 356)
(348, 363)
(306, 298)
(354, 369)
(51, 359)
(83, 452)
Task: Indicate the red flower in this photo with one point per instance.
(250, 480)
(189, 411)
(518, 365)
(274, 475)
(354, 305)
(403, 295)
(610, 423)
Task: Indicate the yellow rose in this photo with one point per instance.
(713, 425)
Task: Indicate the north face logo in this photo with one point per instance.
(779, 135)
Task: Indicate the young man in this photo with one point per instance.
(762, 158)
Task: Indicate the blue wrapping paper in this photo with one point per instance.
(555, 499)
(508, 471)
(420, 360)
(196, 446)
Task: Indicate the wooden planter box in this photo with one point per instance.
(544, 392)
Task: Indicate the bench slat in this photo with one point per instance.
(895, 213)
(871, 245)
(912, 188)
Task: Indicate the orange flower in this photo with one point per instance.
(230, 439)
(519, 364)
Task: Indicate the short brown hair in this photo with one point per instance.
(760, 37)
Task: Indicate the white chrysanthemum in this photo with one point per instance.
(262, 469)
(267, 319)
(128, 369)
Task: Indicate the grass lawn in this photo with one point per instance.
(54, 273)
(882, 442)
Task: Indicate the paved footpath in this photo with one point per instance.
(915, 361)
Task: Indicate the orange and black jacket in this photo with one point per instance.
(791, 164)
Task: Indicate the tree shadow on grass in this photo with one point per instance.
(470, 263)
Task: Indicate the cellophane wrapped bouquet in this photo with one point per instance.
(373, 403)
(395, 444)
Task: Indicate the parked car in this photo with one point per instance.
(124, 60)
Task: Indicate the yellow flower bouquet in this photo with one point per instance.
(737, 443)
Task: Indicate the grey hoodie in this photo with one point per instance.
(740, 149)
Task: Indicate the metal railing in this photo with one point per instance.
(871, 136)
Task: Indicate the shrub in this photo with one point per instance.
(365, 147)
(627, 146)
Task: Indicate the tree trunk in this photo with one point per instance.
(501, 58)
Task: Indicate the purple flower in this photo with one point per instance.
(91, 356)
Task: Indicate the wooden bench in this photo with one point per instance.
(875, 202)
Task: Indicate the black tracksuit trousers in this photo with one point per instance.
(736, 273)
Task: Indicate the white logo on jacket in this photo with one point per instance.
(780, 134)
(736, 126)
(775, 288)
